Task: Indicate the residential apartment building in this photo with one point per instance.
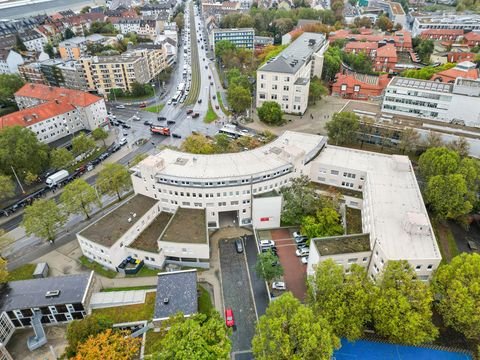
(444, 102)
(142, 27)
(285, 79)
(53, 113)
(33, 40)
(103, 73)
(394, 10)
(242, 38)
(470, 22)
(68, 74)
(75, 48)
(31, 73)
(156, 56)
(10, 60)
(402, 39)
(442, 34)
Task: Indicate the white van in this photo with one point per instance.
(122, 141)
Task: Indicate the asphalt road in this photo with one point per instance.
(237, 294)
(258, 285)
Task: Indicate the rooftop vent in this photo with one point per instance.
(166, 300)
(181, 161)
(52, 293)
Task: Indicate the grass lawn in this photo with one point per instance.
(155, 108)
(145, 271)
(129, 288)
(220, 102)
(354, 221)
(137, 312)
(24, 272)
(92, 265)
(152, 342)
(195, 86)
(446, 241)
(211, 115)
(205, 305)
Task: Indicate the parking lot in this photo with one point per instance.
(237, 294)
(294, 272)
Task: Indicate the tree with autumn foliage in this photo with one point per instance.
(109, 345)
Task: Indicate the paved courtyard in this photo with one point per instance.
(55, 347)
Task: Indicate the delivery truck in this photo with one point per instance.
(57, 178)
(160, 130)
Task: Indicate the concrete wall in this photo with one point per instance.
(266, 212)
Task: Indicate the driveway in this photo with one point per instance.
(237, 294)
(295, 273)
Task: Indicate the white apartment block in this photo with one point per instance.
(53, 113)
(285, 79)
(33, 40)
(445, 102)
(468, 22)
(104, 73)
(141, 27)
(9, 61)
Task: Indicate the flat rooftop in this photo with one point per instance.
(147, 240)
(264, 159)
(187, 226)
(392, 189)
(422, 84)
(112, 226)
(346, 244)
(176, 291)
(25, 294)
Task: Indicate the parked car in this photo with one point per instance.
(148, 123)
(195, 115)
(229, 319)
(217, 107)
(296, 234)
(170, 122)
(177, 136)
(279, 285)
(302, 245)
(239, 245)
(116, 147)
(267, 243)
(199, 101)
(143, 105)
(120, 107)
(189, 111)
(211, 83)
(301, 239)
(126, 126)
(161, 118)
(302, 252)
(304, 259)
(135, 118)
(122, 141)
(169, 102)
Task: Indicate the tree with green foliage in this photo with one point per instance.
(426, 72)
(344, 300)
(409, 140)
(326, 222)
(222, 143)
(197, 144)
(49, 50)
(3, 271)
(60, 158)
(457, 285)
(98, 27)
(268, 267)
(360, 63)
(69, 34)
(9, 85)
(79, 197)
(222, 47)
(196, 337)
(21, 150)
(270, 113)
(43, 219)
(316, 90)
(331, 63)
(78, 331)
(7, 187)
(139, 90)
(402, 308)
(180, 21)
(85, 10)
(82, 144)
(100, 134)
(239, 98)
(114, 179)
(299, 199)
(447, 195)
(438, 161)
(291, 330)
(424, 48)
(343, 127)
(384, 23)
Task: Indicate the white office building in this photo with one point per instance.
(285, 79)
(468, 22)
(453, 103)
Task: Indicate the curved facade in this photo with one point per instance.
(225, 184)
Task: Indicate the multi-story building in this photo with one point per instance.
(472, 38)
(444, 102)
(63, 73)
(104, 73)
(214, 191)
(285, 79)
(53, 113)
(156, 56)
(242, 38)
(259, 42)
(402, 39)
(31, 73)
(51, 72)
(76, 47)
(145, 28)
(465, 70)
(10, 60)
(442, 34)
(468, 22)
(352, 85)
(33, 40)
(393, 9)
(157, 9)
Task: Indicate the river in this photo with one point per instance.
(47, 7)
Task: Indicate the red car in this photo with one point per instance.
(229, 320)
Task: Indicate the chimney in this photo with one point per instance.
(57, 102)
